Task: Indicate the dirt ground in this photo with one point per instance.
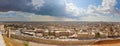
(108, 43)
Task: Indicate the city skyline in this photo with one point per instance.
(60, 10)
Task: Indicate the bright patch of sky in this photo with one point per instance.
(118, 4)
(85, 3)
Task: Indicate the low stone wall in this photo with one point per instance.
(53, 42)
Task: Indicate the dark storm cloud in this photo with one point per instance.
(14, 5)
(50, 7)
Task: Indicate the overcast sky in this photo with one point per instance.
(60, 10)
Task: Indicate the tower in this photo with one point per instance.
(8, 33)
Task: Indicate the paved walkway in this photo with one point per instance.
(2, 43)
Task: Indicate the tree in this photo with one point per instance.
(97, 35)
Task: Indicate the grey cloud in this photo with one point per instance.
(43, 7)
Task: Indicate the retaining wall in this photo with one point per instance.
(53, 42)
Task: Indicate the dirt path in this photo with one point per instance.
(108, 43)
(10, 42)
(2, 43)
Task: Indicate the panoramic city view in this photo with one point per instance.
(59, 22)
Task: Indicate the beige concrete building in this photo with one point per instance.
(86, 35)
(2, 27)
